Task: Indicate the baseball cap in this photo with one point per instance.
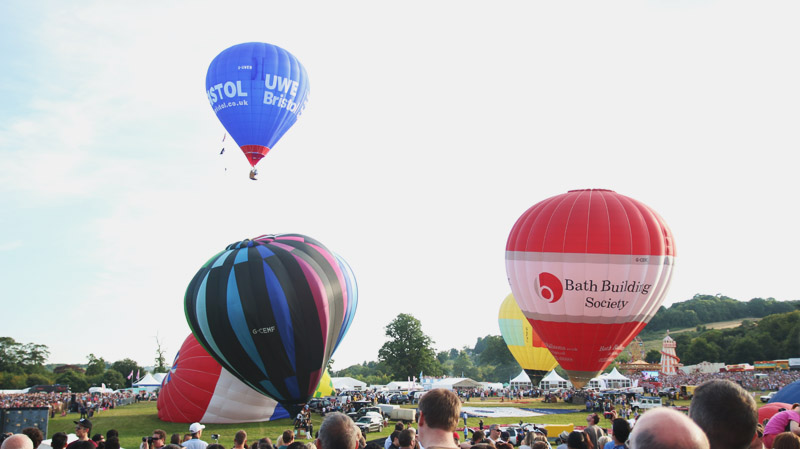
(83, 422)
(196, 427)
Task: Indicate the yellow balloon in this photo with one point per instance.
(524, 343)
(325, 387)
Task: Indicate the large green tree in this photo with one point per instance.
(96, 365)
(409, 351)
(126, 367)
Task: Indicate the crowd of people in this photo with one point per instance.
(61, 403)
(723, 414)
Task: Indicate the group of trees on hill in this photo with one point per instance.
(772, 337)
(704, 309)
(23, 365)
(775, 336)
(409, 353)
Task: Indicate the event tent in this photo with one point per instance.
(552, 381)
(348, 383)
(616, 380)
(148, 382)
(451, 383)
(521, 381)
(789, 394)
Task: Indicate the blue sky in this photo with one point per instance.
(430, 128)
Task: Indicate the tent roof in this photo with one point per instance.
(346, 383)
(522, 378)
(614, 374)
(553, 376)
(147, 381)
(456, 382)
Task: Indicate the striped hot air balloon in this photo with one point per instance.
(589, 269)
(271, 310)
(524, 343)
(198, 389)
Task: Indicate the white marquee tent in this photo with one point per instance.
(552, 381)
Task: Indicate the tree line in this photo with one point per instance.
(409, 353)
(704, 309)
(23, 365)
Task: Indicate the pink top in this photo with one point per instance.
(778, 423)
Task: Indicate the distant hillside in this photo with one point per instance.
(707, 309)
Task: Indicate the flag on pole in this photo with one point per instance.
(137, 375)
(130, 375)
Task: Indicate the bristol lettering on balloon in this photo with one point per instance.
(276, 89)
(229, 89)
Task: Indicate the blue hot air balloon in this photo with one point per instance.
(258, 91)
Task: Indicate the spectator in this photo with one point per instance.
(240, 440)
(494, 433)
(592, 430)
(758, 442)
(17, 441)
(265, 443)
(59, 440)
(561, 440)
(666, 428)
(398, 427)
(779, 423)
(578, 440)
(35, 435)
(159, 438)
(786, 440)
(174, 439)
(196, 429)
(287, 438)
(726, 412)
(99, 440)
(82, 429)
(112, 443)
(621, 430)
(406, 439)
(112, 433)
(438, 417)
(337, 431)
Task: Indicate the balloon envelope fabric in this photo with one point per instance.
(589, 269)
(198, 389)
(258, 91)
(524, 343)
(270, 311)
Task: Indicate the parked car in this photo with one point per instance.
(316, 404)
(767, 397)
(399, 399)
(370, 423)
(645, 403)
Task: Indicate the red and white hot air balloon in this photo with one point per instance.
(198, 389)
(589, 269)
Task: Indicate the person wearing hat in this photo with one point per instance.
(196, 429)
(82, 429)
(562, 437)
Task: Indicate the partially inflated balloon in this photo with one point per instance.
(258, 91)
(352, 298)
(325, 387)
(524, 343)
(270, 310)
(589, 269)
(198, 389)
